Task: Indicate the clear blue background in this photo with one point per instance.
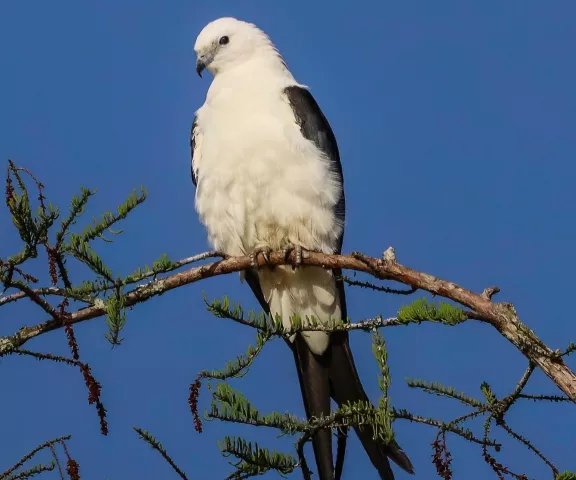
(456, 122)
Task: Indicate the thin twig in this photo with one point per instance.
(72, 467)
(32, 471)
(62, 270)
(57, 462)
(29, 455)
(510, 399)
(37, 299)
(468, 416)
(306, 472)
(450, 427)
(550, 398)
(38, 291)
(148, 438)
(44, 356)
(61, 292)
(378, 288)
(94, 388)
(528, 444)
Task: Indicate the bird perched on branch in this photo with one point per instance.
(268, 177)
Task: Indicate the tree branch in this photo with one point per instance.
(29, 455)
(38, 291)
(502, 316)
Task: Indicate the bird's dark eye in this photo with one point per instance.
(224, 40)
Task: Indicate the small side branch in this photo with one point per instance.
(529, 445)
(156, 445)
(32, 471)
(450, 427)
(378, 288)
(306, 472)
(28, 456)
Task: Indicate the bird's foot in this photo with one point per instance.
(263, 250)
(297, 249)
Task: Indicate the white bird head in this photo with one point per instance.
(227, 42)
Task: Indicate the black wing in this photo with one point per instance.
(315, 127)
(193, 133)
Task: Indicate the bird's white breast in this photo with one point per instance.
(260, 182)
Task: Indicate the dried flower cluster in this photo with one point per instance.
(193, 402)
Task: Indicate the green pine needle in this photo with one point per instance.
(255, 460)
(436, 388)
(421, 311)
(115, 317)
(239, 367)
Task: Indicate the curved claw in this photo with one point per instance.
(264, 251)
(298, 250)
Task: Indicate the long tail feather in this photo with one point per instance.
(346, 387)
(316, 395)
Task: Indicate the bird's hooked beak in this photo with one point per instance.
(200, 67)
(202, 62)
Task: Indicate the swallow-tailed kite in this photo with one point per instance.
(268, 177)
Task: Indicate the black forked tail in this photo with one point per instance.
(334, 375)
(345, 387)
(314, 383)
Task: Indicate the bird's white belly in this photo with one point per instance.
(261, 183)
(266, 193)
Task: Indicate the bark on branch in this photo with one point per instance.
(502, 316)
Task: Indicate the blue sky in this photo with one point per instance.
(456, 124)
